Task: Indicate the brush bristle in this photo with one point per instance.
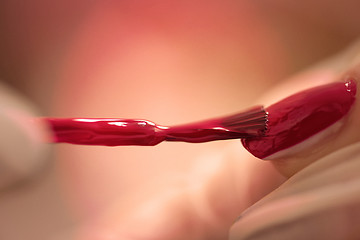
(252, 122)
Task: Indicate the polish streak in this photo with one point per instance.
(301, 116)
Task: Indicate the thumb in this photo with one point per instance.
(22, 150)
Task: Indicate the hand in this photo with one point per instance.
(143, 63)
(321, 199)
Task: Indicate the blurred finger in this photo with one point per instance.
(320, 205)
(22, 148)
(201, 206)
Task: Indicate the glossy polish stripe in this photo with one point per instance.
(302, 115)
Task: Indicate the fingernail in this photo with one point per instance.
(301, 116)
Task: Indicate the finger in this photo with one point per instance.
(201, 206)
(317, 204)
(311, 196)
(149, 220)
(22, 148)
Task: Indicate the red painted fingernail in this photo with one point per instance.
(302, 115)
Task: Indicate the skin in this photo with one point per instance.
(179, 191)
(15, 114)
(289, 164)
(311, 197)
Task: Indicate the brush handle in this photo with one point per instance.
(120, 132)
(205, 131)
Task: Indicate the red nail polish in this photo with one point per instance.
(120, 132)
(302, 115)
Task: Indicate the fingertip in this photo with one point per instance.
(22, 147)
